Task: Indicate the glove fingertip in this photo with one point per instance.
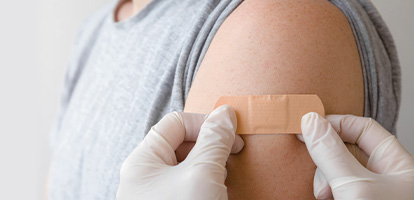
(306, 123)
(231, 112)
(300, 137)
(238, 145)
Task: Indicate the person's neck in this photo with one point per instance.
(129, 8)
(137, 5)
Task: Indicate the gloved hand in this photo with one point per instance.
(389, 170)
(151, 171)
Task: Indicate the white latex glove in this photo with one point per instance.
(389, 170)
(151, 171)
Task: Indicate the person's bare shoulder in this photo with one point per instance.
(279, 47)
(282, 47)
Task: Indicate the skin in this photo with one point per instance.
(279, 47)
(276, 47)
(124, 10)
(128, 8)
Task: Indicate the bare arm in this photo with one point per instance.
(279, 47)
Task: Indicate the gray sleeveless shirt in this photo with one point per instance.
(124, 76)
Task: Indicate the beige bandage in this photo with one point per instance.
(271, 114)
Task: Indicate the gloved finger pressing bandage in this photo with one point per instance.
(389, 171)
(151, 171)
(192, 124)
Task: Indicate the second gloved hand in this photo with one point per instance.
(151, 171)
(389, 169)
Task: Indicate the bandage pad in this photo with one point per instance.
(271, 114)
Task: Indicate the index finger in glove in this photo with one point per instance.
(217, 137)
(386, 154)
(362, 131)
(164, 138)
(193, 123)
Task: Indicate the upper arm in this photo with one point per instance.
(282, 47)
(279, 47)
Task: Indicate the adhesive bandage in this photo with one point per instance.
(271, 114)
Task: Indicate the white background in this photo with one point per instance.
(35, 40)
